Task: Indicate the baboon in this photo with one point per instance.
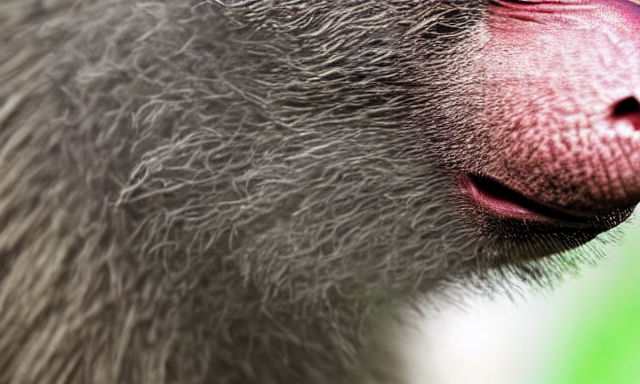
(210, 191)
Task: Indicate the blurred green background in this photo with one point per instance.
(599, 339)
(585, 331)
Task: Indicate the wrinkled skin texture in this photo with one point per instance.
(249, 192)
(576, 154)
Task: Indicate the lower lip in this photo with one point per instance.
(498, 205)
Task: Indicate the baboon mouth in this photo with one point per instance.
(505, 202)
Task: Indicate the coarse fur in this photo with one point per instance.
(233, 192)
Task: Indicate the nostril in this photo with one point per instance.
(627, 107)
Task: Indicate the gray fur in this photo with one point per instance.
(231, 192)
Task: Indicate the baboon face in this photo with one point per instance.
(512, 125)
